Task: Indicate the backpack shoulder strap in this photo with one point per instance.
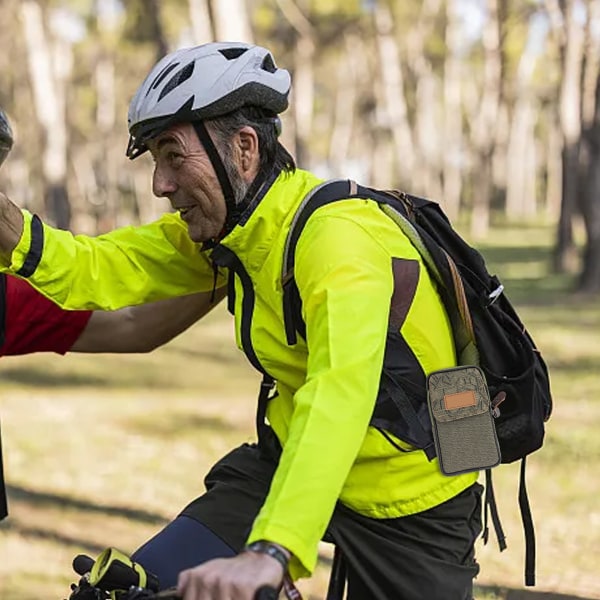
(399, 207)
(327, 192)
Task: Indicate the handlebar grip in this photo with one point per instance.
(266, 593)
(82, 564)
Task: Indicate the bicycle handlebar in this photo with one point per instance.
(128, 590)
(112, 571)
(263, 593)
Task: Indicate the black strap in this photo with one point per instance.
(267, 385)
(404, 406)
(225, 257)
(331, 191)
(217, 163)
(323, 194)
(527, 519)
(3, 501)
(231, 291)
(337, 578)
(492, 507)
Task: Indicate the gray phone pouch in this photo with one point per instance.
(462, 422)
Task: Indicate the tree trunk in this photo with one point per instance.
(394, 101)
(106, 165)
(343, 110)
(427, 168)
(158, 31)
(231, 21)
(49, 68)
(484, 130)
(452, 155)
(202, 25)
(570, 36)
(589, 280)
(303, 89)
(521, 166)
(553, 162)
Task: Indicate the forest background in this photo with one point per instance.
(491, 107)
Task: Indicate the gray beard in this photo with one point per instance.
(240, 189)
(238, 185)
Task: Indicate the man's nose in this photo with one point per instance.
(162, 184)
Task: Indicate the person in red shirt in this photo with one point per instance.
(29, 323)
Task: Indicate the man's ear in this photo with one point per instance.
(248, 152)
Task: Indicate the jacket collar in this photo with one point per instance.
(262, 222)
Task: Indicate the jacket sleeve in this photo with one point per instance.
(127, 266)
(345, 280)
(35, 324)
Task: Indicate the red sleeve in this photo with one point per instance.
(32, 323)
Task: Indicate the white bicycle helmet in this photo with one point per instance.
(204, 82)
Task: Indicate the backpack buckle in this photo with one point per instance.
(495, 294)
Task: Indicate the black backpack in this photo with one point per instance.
(486, 328)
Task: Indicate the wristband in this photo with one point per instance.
(272, 550)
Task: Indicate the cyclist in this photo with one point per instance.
(29, 323)
(209, 117)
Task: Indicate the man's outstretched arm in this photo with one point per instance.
(32, 323)
(145, 327)
(127, 266)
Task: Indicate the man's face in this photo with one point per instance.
(184, 174)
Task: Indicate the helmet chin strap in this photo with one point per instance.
(233, 210)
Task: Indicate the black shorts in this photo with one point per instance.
(426, 556)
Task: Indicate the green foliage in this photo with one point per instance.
(336, 8)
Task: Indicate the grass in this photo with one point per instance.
(103, 450)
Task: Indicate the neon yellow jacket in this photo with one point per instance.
(326, 390)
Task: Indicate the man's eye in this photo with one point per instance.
(171, 158)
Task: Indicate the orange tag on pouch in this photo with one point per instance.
(460, 400)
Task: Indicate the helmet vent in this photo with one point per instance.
(177, 80)
(162, 75)
(232, 53)
(268, 64)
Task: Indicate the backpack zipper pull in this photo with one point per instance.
(496, 402)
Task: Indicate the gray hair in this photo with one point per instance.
(272, 154)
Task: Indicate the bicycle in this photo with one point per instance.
(114, 576)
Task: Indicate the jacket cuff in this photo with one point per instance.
(21, 252)
(304, 558)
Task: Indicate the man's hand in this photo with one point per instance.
(235, 578)
(11, 228)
